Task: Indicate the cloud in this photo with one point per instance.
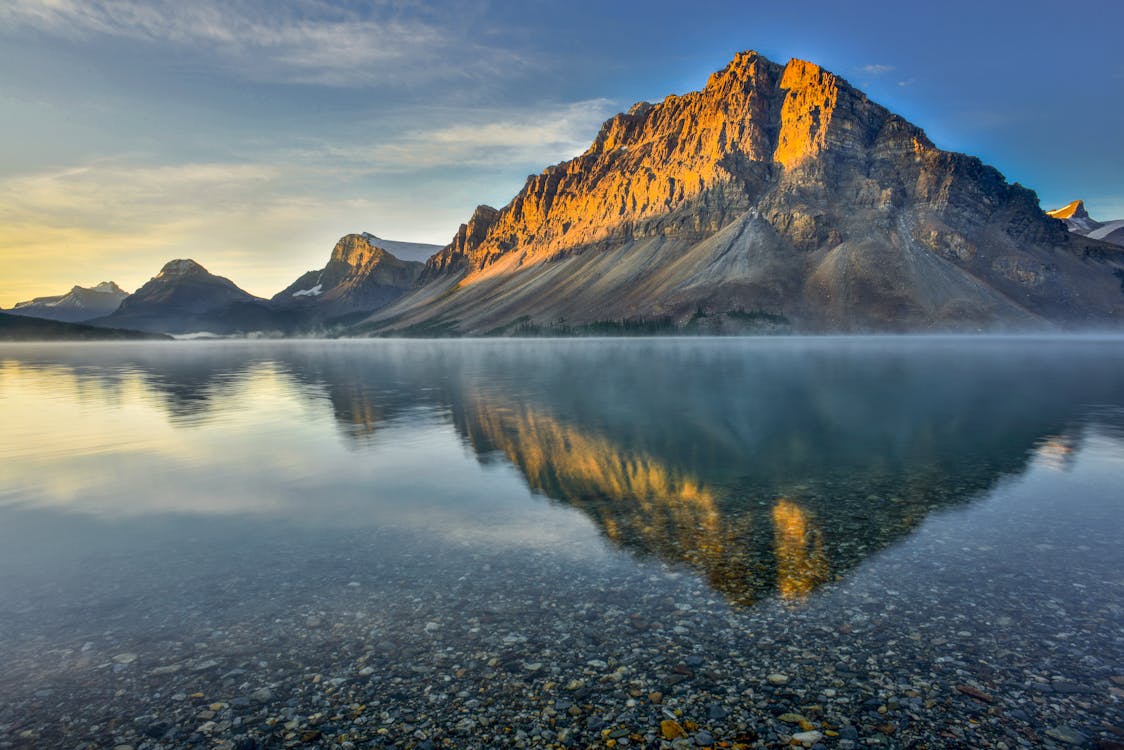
(876, 69)
(534, 136)
(264, 220)
(907, 82)
(308, 42)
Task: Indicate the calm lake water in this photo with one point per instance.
(907, 542)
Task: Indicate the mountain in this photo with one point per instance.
(25, 328)
(415, 251)
(77, 305)
(1078, 221)
(362, 275)
(777, 197)
(185, 298)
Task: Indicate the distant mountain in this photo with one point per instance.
(1078, 221)
(185, 298)
(77, 305)
(24, 328)
(361, 275)
(778, 197)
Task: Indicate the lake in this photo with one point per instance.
(829, 542)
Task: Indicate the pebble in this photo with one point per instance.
(853, 667)
(1067, 734)
(671, 729)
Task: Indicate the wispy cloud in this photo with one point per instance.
(264, 220)
(304, 42)
(527, 137)
(876, 69)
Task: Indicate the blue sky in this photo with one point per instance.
(251, 134)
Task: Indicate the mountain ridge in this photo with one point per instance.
(775, 198)
(775, 189)
(78, 305)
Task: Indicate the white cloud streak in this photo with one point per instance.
(304, 43)
(527, 137)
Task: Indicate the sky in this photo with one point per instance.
(250, 135)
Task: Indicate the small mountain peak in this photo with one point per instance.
(484, 213)
(108, 287)
(1074, 210)
(744, 60)
(744, 65)
(356, 250)
(639, 109)
(180, 267)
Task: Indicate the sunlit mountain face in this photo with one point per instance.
(767, 468)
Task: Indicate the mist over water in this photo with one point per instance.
(155, 495)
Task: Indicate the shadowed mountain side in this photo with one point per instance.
(777, 196)
(185, 298)
(21, 328)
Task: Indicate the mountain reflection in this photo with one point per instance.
(801, 561)
(768, 467)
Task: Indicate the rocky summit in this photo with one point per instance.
(777, 197)
(361, 275)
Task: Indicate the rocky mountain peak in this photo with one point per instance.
(356, 250)
(774, 188)
(729, 139)
(181, 267)
(1078, 221)
(108, 287)
(1074, 210)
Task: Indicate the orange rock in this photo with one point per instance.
(671, 729)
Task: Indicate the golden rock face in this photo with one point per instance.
(807, 112)
(643, 164)
(717, 149)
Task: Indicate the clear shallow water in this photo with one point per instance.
(484, 524)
